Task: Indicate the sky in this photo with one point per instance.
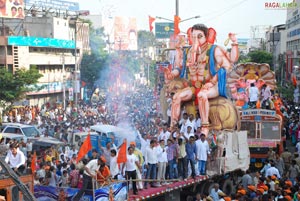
(236, 16)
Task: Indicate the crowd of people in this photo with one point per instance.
(162, 156)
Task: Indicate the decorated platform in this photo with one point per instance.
(159, 191)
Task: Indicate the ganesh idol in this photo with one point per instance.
(204, 56)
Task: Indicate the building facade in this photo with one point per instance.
(55, 46)
(293, 39)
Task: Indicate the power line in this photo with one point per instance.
(224, 10)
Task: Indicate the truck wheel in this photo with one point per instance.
(227, 187)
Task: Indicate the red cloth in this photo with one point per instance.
(85, 148)
(33, 162)
(122, 154)
(151, 20)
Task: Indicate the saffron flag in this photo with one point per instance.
(176, 25)
(122, 154)
(85, 148)
(294, 81)
(151, 20)
(33, 163)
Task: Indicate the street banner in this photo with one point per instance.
(164, 30)
(50, 193)
(116, 192)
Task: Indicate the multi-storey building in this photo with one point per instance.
(293, 39)
(55, 46)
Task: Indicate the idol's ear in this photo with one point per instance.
(211, 35)
(189, 36)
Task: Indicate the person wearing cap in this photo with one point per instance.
(251, 189)
(203, 151)
(90, 173)
(242, 193)
(271, 181)
(259, 193)
(103, 173)
(139, 172)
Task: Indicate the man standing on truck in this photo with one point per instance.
(90, 173)
(203, 151)
(15, 158)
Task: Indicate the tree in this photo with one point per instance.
(145, 39)
(260, 56)
(13, 86)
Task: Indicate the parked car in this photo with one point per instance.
(28, 131)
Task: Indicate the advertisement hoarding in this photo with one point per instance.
(12, 9)
(54, 4)
(125, 33)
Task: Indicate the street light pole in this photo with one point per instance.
(177, 8)
(63, 81)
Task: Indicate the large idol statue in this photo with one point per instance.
(204, 55)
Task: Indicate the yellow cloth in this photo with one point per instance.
(48, 158)
(139, 155)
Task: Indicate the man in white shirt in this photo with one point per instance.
(114, 167)
(162, 161)
(189, 132)
(183, 123)
(197, 122)
(150, 163)
(72, 152)
(203, 151)
(130, 169)
(253, 95)
(273, 170)
(15, 158)
(165, 134)
(29, 146)
(144, 142)
(90, 173)
(192, 122)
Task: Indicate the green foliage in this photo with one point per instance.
(145, 39)
(286, 91)
(14, 86)
(91, 67)
(260, 56)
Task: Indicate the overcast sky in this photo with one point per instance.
(236, 16)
